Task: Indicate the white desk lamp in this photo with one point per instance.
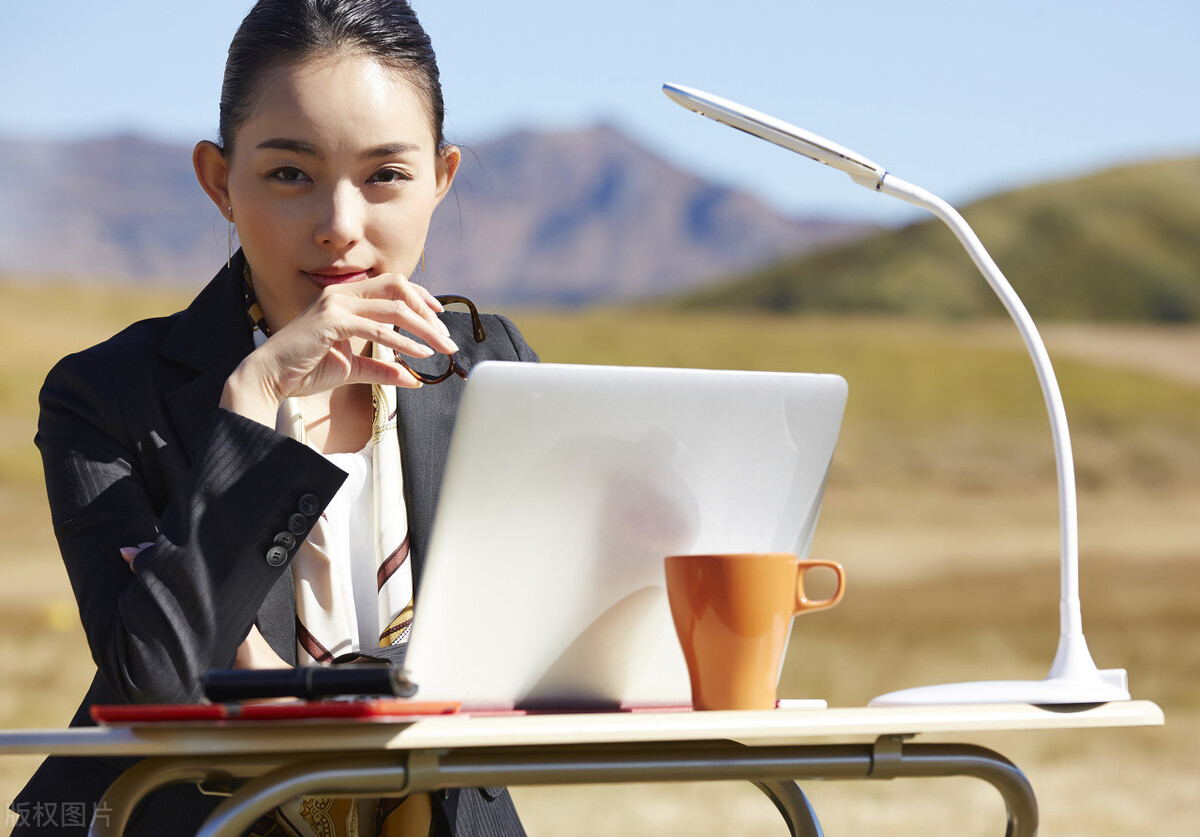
(1073, 678)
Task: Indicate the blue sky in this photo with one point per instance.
(962, 98)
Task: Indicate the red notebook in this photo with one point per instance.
(389, 708)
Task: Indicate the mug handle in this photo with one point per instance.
(803, 602)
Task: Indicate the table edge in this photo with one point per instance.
(778, 727)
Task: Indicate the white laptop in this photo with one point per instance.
(550, 592)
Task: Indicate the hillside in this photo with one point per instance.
(534, 218)
(1122, 244)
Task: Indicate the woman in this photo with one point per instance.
(222, 499)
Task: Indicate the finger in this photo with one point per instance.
(431, 300)
(407, 346)
(339, 317)
(131, 552)
(375, 324)
(421, 301)
(371, 370)
(424, 303)
(383, 333)
(399, 313)
(395, 287)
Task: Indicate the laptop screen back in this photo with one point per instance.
(565, 488)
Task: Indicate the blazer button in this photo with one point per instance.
(310, 504)
(276, 556)
(287, 540)
(298, 524)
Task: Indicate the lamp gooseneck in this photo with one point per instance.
(1073, 672)
(1068, 513)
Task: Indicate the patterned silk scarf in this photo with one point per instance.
(325, 629)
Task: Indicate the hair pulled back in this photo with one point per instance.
(280, 32)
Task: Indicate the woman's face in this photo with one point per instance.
(333, 178)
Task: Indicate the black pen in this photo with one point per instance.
(307, 682)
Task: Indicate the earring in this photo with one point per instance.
(229, 239)
(422, 261)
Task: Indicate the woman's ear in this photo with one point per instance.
(447, 166)
(212, 170)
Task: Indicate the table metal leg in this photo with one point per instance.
(148, 775)
(793, 805)
(991, 767)
(361, 776)
(134, 784)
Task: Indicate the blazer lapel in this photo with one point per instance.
(424, 444)
(211, 338)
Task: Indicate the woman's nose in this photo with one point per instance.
(341, 217)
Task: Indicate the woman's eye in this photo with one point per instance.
(288, 174)
(389, 176)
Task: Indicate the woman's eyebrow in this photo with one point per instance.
(307, 149)
(392, 148)
(284, 144)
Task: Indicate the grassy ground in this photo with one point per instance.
(941, 506)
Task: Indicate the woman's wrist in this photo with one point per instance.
(247, 394)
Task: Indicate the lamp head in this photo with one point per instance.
(861, 170)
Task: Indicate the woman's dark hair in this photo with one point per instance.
(280, 32)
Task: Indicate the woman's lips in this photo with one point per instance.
(336, 276)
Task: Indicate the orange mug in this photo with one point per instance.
(732, 613)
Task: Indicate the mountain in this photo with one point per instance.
(591, 216)
(1121, 244)
(534, 218)
(118, 207)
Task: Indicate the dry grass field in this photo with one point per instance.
(941, 505)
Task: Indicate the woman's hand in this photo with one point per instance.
(315, 352)
(254, 652)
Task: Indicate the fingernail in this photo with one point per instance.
(445, 330)
(453, 346)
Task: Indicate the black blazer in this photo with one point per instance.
(136, 450)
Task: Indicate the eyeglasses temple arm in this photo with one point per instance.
(476, 320)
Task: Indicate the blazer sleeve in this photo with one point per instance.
(193, 595)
